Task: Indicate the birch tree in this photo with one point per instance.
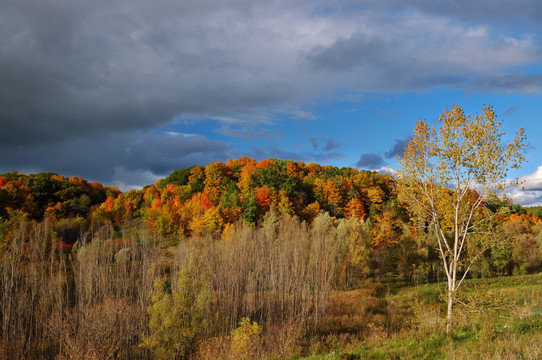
(448, 171)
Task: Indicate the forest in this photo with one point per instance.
(237, 260)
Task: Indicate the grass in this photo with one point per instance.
(498, 318)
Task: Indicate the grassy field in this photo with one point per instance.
(497, 318)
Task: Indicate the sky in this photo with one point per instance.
(124, 92)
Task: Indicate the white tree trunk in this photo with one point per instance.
(449, 314)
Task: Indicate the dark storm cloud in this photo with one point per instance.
(397, 149)
(85, 84)
(518, 82)
(429, 46)
(370, 161)
(163, 153)
(356, 51)
(135, 153)
(398, 62)
(70, 68)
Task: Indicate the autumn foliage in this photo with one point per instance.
(50, 195)
(207, 198)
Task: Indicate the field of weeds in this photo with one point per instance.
(498, 318)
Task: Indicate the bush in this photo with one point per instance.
(246, 340)
(177, 319)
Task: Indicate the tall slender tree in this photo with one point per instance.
(448, 171)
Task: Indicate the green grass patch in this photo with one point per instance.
(528, 324)
(501, 318)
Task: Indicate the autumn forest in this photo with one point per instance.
(238, 260)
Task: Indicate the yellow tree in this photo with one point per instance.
(448, 170)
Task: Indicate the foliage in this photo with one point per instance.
(244, 188)
(208, 200)
(246, 340)
(178, 318)
(178, 177)
(447, 173)
(50, 195)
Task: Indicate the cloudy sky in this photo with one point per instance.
(124, 92)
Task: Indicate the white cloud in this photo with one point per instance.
(529, 192)
(525, 197)
(533, 181)
(300, 114)
(387, 170)
(177, 134)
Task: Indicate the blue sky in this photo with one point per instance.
(125, 92)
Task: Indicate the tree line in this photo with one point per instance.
(211, 200)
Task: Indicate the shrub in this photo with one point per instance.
(247, 340)
(177, 319)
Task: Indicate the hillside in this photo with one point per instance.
(206, 199)
(246, 259)
(210, 200)
(48, 195)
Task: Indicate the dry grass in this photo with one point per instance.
(89, 303)
(92, 303)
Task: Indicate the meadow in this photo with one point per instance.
(498, 318)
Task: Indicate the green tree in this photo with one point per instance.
(177, 318)
(250, 209)
(179, 177)
(230, 197)
(43, 187)
(448, 170)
